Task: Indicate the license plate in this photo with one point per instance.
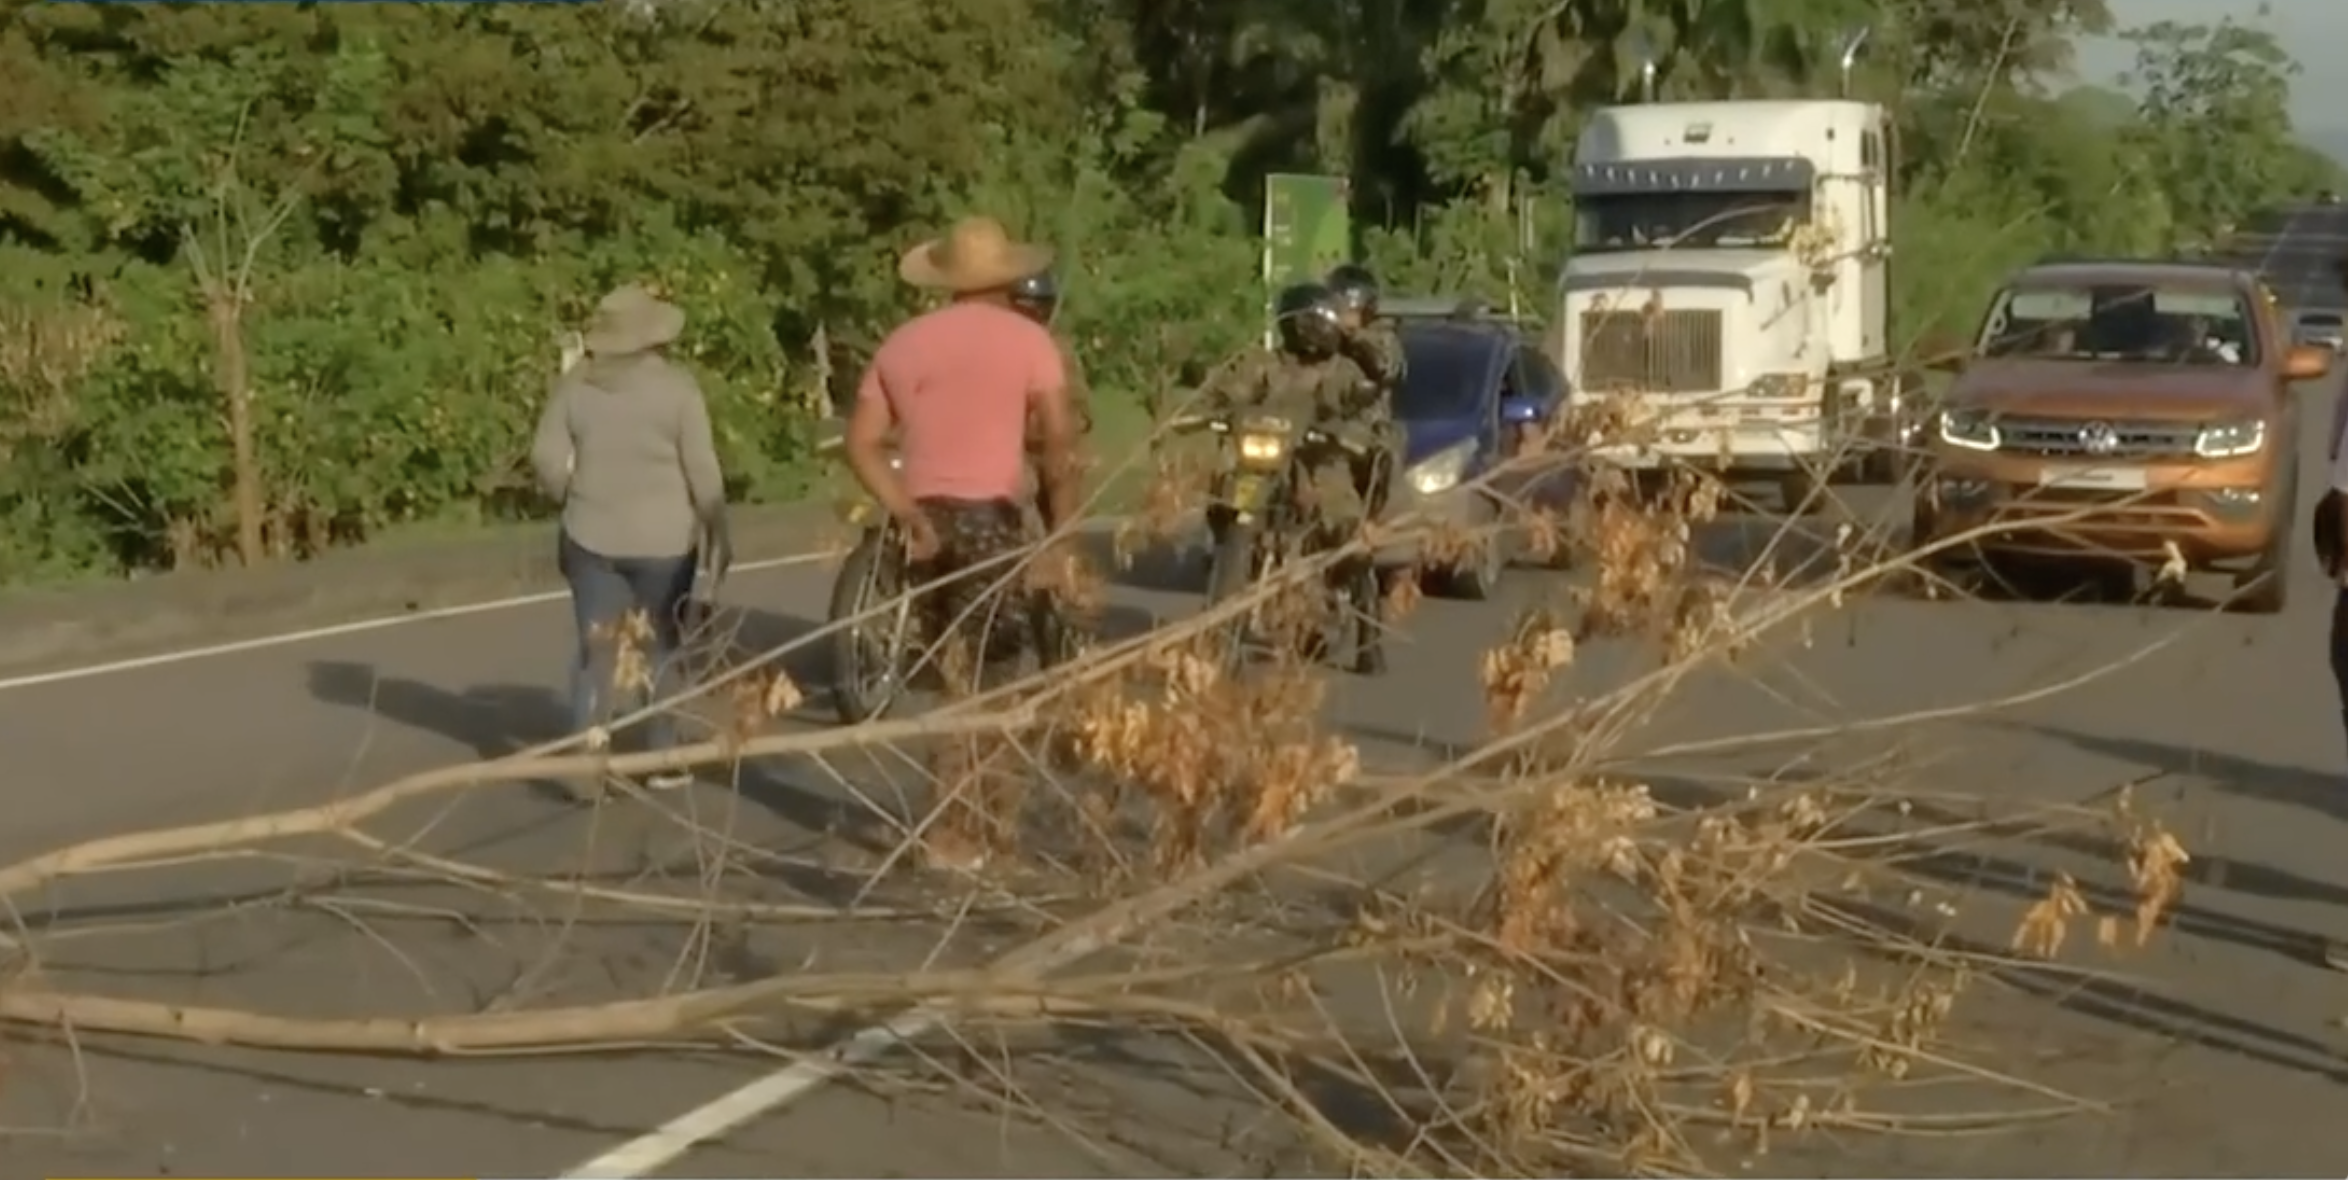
(2098, 479)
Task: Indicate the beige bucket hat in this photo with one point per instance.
(977, 254)
(630, 320)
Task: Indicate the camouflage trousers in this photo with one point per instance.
(1338, 493)
(978, 616)
(977, 612)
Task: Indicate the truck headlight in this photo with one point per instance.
(1442, 470)
(1779, 386)
(1970, 429)
(2225, 440)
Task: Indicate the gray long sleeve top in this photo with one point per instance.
(625, 445)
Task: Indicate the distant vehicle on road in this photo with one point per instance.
(2128, 413)
(1476, 386)
(2322, 329)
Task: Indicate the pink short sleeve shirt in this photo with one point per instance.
(958, 382)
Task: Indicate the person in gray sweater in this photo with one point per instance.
(625, 446)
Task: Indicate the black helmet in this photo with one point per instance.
(1354, 284)
(1038, 295)
(1308, 315)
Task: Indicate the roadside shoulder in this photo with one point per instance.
(43, 629)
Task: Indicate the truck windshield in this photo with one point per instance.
(1689, 220)
(2122, 322)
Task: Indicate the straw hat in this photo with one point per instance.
(632, 320)
(976, 255)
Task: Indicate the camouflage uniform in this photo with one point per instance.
(1334, 393)
(979, 623)
(978, 620)
(1377, 348)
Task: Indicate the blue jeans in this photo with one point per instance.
(604, 591)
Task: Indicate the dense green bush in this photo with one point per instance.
(414, 201)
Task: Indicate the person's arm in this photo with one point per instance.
(867, 443)
(552, 451)
(1377, 348)
(705, 477)
(1055, 422)
(1239, 383)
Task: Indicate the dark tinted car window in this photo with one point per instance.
(1536, 378)
(1448, 373)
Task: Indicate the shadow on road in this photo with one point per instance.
(493, 720)
(2296, 786)
(2125, 1004)
(501, 719)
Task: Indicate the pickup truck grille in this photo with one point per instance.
(2096, 438)
(1658, 352)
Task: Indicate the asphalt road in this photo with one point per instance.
(2223, 1061)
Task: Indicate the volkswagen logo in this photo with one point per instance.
(2098, 438)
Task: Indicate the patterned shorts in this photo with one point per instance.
(981, 612)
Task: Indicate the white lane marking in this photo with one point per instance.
(656, 1149)
(664, 1145)
(339, 629)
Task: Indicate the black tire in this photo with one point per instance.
(2265, 588)
(867, 578)
(1802, 491)
(1369, 635)
(1230, 573)
(1479, 577)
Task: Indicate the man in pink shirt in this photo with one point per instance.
(959, 387)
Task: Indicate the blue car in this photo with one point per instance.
(1473, 383)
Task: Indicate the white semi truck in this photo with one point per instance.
(1731, 275)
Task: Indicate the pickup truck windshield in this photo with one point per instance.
(1686, 220)
(2199, 324)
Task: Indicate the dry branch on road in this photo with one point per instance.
(1618, 970)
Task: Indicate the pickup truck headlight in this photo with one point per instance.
(1779, 386)
(1442, 470)
(2225, 440)
(1970, 429)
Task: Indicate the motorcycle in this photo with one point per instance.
(877, 647)
(1259, 525)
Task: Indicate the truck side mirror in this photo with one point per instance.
(2307, 362)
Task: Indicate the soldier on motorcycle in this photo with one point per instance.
(1327, 375)
(1370, 338)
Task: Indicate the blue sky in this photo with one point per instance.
(2317, 29)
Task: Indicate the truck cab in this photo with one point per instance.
(1731, 272)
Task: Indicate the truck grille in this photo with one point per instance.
(2096, 439)
(1652, 352)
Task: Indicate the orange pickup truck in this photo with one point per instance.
(2134, 413)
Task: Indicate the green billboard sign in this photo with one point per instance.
(1307, 230)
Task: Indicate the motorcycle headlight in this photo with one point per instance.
(1970, 429)
(1262, 448)
(1779, 386)
(1442, 470)
(2224, 440)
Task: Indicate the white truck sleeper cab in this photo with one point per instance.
(1730, 274)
